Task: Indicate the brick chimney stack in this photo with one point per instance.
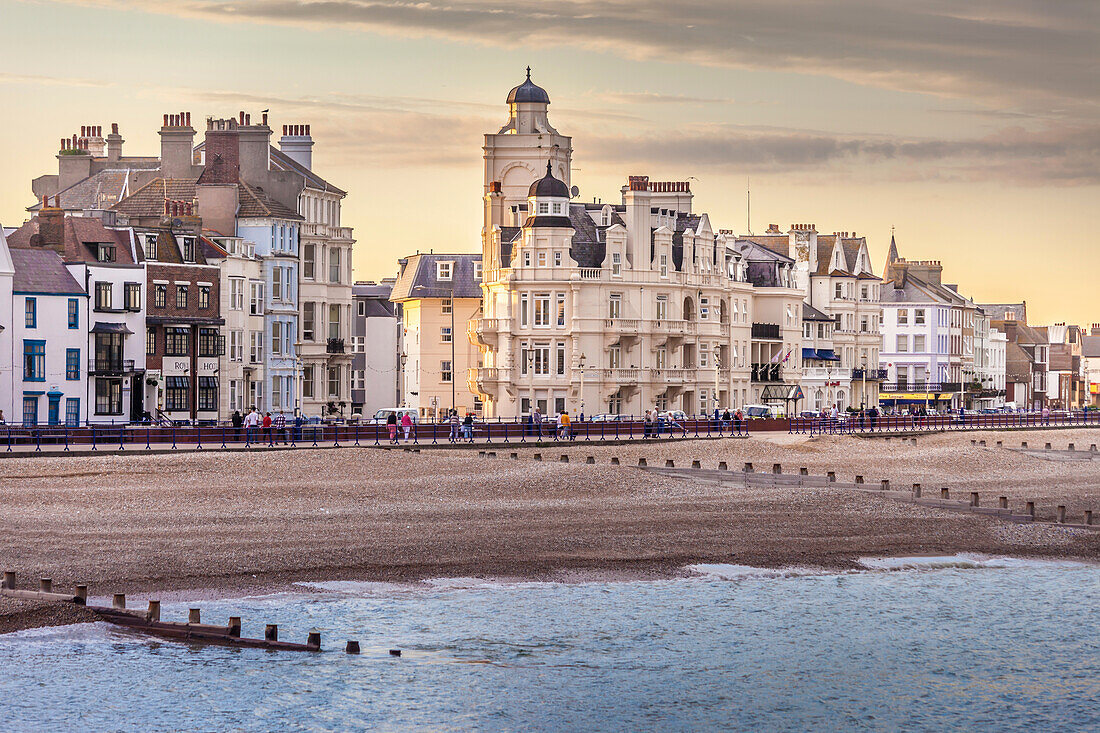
(114, 144)
(177, 143)
(74, 163)
(297, 144)
(255, 149)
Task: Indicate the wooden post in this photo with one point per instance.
(9, 580)
(271, 632)
(974, 498)
(1088, 516)
(234, 626)
(119, 600)
(642, 462)
(537, 457)
(1061, 514)
(831, 476)
(313, 640)
(696, 464)
(153, 614)
(916, 491)
(669, 463)
(352, 647)
(45, 585)
(722, 466)
(748, 468)
(886, 484)
(590, 459)
(1029, 509)
(82, 592)
(777, 468)
(194, 616)
(1002, 502)
(803, 471)
(944, 493)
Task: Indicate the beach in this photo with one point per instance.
(234, 522)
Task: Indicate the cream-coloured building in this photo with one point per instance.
(439, 295)
(242, 307)
(622, 307)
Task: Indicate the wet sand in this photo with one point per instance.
(239, 523)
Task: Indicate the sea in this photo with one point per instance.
(917, 644)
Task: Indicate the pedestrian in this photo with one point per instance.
(563, 425)
(267, 427)
(251, 423)
(406, 425)
(737, 418)
(280, 427)
(727, 419)
(299, 421)
(453, 419)
(536, 420)
(467, 426)
(238, 421)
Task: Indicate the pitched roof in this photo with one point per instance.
(42, 271)
(1090, 346)
(101, 190)
(253, 202)
(282, 161)
(418, 278)
(589, 241)
(149, 199)
(79, 236)
(809, 313)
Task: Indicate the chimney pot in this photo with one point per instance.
(188, 119)
(307, 130)
(241, 117)
(114, 128)
(248, 119)
(82, 128)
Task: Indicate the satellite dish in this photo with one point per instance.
(574, 192)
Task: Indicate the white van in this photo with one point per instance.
(762, 411)
(383, 415)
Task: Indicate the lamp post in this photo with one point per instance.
(717, 352)
(863, 390)
(297, 378)
(453, 365)
(404, 386)
(581, 363)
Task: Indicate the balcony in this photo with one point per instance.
(766, 372)
(825, 373)
(484, 331)
(672, 376)
(619, 376)
(933, 387)
(766, 332)
(675, 327)
(871, 375)
(110, 366)
(622, 325)
(334, 346)
(326, 231)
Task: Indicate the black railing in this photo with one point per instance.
(866, 422)
(765, 331)
(767, 373)
(903, 385)
(110, 366)
(871, 375)
(335, 346)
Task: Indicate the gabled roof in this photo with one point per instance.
(1090, 346)
(149, 199)
(79, 236)
(42, 271)
(101, 190)
(253, 202)
(282, 161)
(418, 278)
(809, 313)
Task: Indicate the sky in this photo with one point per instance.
(970, 129)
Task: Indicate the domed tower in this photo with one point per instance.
(514, 156)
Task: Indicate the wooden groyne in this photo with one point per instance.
(149, 621)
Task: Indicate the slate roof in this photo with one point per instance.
(508, 236)
(997, 310)
(589, 241)
(280, 161)
(1090, 346)
(42, 271)
(253, 202)
(149, 199)
(418, 280)
(79, 234)
(809, 313)
(99, 191)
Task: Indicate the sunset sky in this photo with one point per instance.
(972, 127)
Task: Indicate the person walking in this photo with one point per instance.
(391, 426)
(299, 421)
(238, 421)
(467, 426)
(647, 424)
(737, 418)
(280, 427)
(563, 425)
(267, 428)
(406, 425)
(536, 420)
(251, 423)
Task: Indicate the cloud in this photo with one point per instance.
(1028, 54)
(658, 98)
(37, 80)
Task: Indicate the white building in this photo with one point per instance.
(376, 348)
(7, 354)
(616, 307)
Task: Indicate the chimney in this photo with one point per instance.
(255, 150)
(93, 136)
(222, 152)
(74, 164)
(297, 144)
(638, 199)
(177, 143)
(114, 144)
(51, 227)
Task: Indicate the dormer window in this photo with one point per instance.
(150, 246)
(188, 249)
(477, 270)
(544, 207)
(559, 208)
(443, 270)
(105, 253)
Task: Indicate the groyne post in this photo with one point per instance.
(916, 491)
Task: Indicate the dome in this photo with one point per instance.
(549, 186)
(528, 92)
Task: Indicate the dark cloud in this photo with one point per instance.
(1026, 54)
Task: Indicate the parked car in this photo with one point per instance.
(762, 411)
(608, 417)
(381, 416)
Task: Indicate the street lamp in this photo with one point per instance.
(717, 352)
(297, 378)
(581, 363)
(863, 389)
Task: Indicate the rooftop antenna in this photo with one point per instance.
(748, 205)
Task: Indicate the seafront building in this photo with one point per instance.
(376, 348)
(1090, 364)
(438, 295)
(1026, 355)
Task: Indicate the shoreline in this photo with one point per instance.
(20, 615)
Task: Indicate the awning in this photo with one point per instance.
(808, 353)
(781, 393)
(827, 355)
(110, 328)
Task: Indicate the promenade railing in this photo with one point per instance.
(864, 423)
(504, 431)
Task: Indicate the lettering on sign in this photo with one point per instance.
(208, 366)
